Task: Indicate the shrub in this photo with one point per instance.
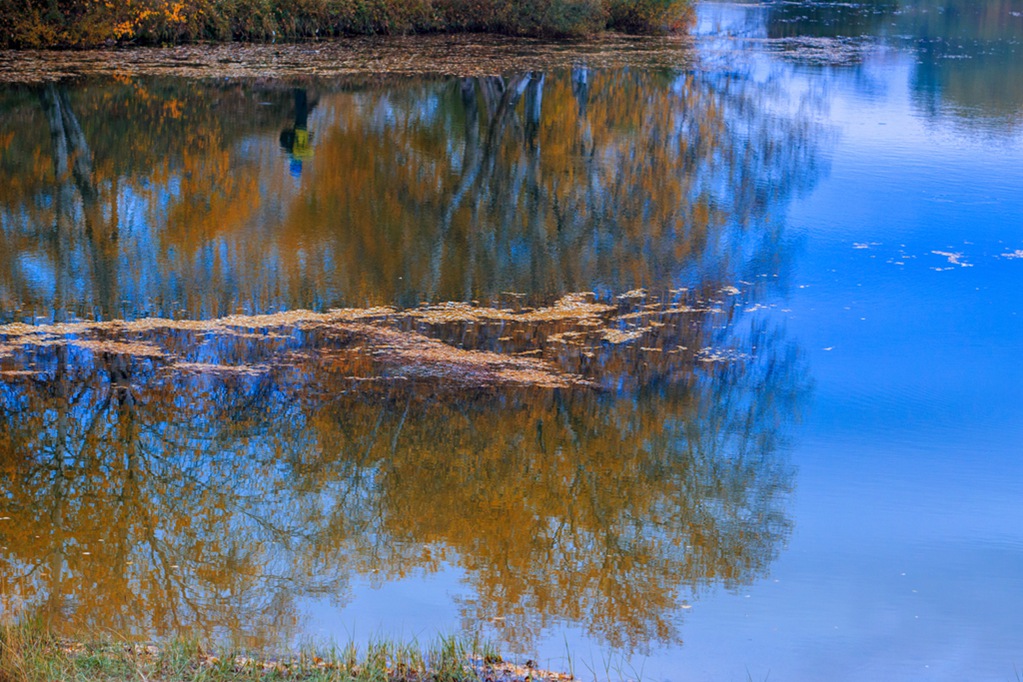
(86, 23)
(547, 18)
(468, 15)
(649, 16)
(553, 18)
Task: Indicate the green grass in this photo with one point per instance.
(33, 654)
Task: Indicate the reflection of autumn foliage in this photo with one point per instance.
(592, 457)
(436, 190)
(607, 180)
(124, 517)
(82, 208)
(209, 475)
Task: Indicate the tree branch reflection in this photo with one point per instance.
(163, 476)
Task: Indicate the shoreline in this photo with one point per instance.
(30, 653)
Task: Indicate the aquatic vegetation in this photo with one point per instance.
(556, 346)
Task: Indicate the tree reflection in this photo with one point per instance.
(830, 20)
(133, 511)
(124, 165)
(638, 179)
(593, 457)
(967, 67)
(450, 189)
(975, 68)
(161, 478)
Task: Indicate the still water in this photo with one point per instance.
(674, 359)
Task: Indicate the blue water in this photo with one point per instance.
(837, 188)
(906, 558)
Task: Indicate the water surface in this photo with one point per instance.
(685, 358)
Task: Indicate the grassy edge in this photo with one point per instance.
(30, 653)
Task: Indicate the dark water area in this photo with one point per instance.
(663, 358)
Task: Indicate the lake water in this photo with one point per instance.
(681, 359)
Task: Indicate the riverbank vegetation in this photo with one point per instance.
(92, 23)
(29, 653)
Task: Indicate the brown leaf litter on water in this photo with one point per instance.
(617, 336)
(215, 368)
(137, 349)
(821, 50)
(569, 343)
(451, 54)
(228, 324)
(576, 307)
(724, 355)
(416, 356)
(398, 354)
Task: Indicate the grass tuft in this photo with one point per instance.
(29, 653)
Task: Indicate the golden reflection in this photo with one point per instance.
(176, 198)
(231, 468)
(178, 453)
